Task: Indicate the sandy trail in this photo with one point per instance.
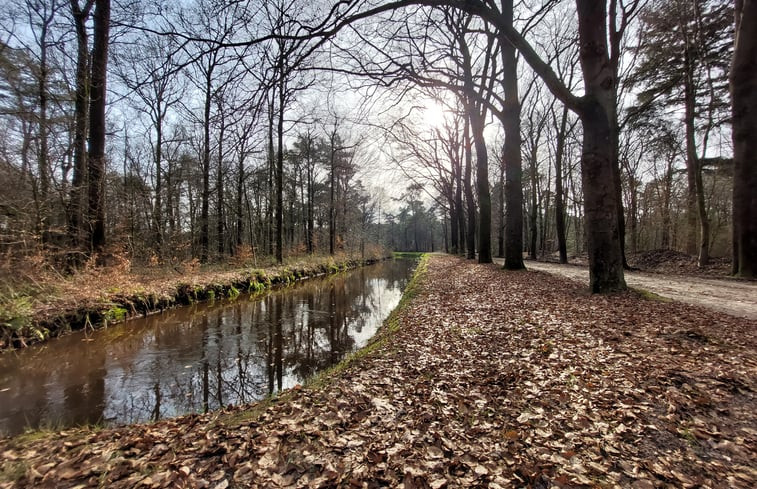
(734, 297)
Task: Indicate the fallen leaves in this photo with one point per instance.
(494, 379)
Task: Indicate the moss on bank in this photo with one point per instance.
(21, 324)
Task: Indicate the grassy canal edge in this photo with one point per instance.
(28, 320)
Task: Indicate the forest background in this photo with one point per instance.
(176, 134)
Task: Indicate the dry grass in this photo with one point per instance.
(35, 292)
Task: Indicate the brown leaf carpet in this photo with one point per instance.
(493, 379)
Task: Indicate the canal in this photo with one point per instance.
(198, 358)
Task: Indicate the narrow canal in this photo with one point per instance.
(198, 358)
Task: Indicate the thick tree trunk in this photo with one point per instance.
(743, 83)
(96, 159)
(513, 163)
(76, 205)
(603, 238)
(600, 197)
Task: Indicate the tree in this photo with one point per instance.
(211, 73)
(35, 91)
(476, 111)
(148, 72)
(305, 147)
(512, 153)
(96, 157)
(684, 53)
(743, 85)
(595, 109)
(288, 53)
(533, 130)
(80, 14)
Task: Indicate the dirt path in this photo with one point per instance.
(730, 296)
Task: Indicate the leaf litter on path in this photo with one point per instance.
(493, 379)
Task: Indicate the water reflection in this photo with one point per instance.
(197, 358)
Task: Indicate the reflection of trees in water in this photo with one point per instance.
(85, 402)
(248, 349)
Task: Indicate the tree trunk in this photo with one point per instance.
(269, 231)
(240, 192)
(513, 164)
(158, 211)
(533, 212)
(219, 191)
(667, 193)
(332, 200)
(205, 197)
(43, 165)
(600, 197)
(453, 229)
(311, 196)
(460, 209)
(559, 202)
(280, 169)
(96, 159)
(501, 211)
(76, 205)
(633, 212)
(743, 84)
(470, 202)
(694, 172)
(482, 188)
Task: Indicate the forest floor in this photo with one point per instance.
(735, 297)
(481, 378)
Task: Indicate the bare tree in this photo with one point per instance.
(80, 14)
(96, 156)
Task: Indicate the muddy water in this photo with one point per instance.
(197, 358)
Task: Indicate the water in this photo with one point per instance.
(197, 358)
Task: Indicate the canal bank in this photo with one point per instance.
(481, 378)
(101, 297)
